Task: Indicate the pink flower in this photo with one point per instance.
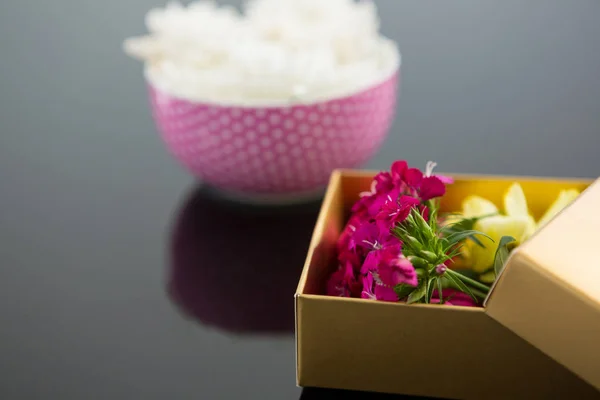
(350, 257)
(404, 177)
(373, 291)
(370, 257)
(367, 292)
(378, 257)
(441, 269)
(336, 285)
(342, 283)
(431, 187)
(365, 200)
(383, 182)
(429, 172)
(391, 267)
(397, 170)
(445, 179)
(345, 238)
(395, 210)
(453, 297)
(397, 271)
(373, 236)
(369, 204)
(400, 180)
(384, 293)
(371, 201)
(345, 244)
(413, 177)
(424, 212)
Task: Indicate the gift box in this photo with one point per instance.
(536, 335)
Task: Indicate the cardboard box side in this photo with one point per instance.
(554, 317)
(297, 339)
(567, 246)
(426, 350)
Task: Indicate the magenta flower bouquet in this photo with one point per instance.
(397, 246)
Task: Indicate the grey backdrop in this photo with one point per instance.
(506, 86)
(87, 192)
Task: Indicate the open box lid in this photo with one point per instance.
(549, 290)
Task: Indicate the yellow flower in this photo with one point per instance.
(564, 198)
(516, 221)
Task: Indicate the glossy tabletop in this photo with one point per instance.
(120, 299)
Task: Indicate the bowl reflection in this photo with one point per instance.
(236, 267)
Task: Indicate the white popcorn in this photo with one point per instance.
(277, 52)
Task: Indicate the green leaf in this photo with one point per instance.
(430, 286)
(465, 224)
(502, 253)
(418, 293)
(454, 252)
(439, 289)
(473, 283)
(477, 241)
(422, 226)
(468, 273)
(410, 219)
(458, 284)
(400, 230)
(434, 206)
(460, 236)
(402, 290)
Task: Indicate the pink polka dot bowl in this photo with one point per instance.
(275, 154)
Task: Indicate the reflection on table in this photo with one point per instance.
(236, 267)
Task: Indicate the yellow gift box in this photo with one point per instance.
(537, 336)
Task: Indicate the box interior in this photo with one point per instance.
(346, 185)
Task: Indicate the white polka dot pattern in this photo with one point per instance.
(275, 150)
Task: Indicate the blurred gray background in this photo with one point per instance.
(507, 86)
(88, 192)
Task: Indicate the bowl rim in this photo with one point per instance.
(390, 77)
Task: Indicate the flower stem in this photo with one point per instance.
(468, 281)
(479, 294)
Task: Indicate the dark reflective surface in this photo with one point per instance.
(236, 267)
(127, 301)
(149, 296)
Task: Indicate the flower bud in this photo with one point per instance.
(418, 262)
(440, 269)
(428, 255)
(420, 272)
(413, 242)
(422, 225)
